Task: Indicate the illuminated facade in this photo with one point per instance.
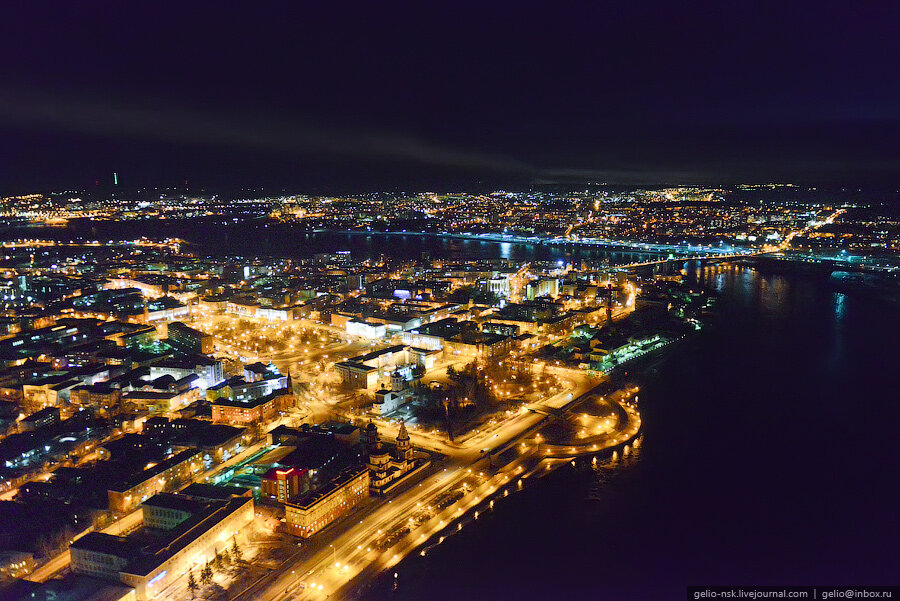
(308, 516)
(282, 484)
(386, 468)
(206, 528)
(251, 411)
(159, 478)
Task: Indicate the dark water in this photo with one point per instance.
(770, 456)
(263, 237)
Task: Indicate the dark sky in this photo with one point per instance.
(386, 94)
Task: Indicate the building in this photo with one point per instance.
(163, 476)
(344, 433)
(165, 511)
(387, 401)
(499, 285)
(316, 511)
(16, 564)
(366, 329)
(158, 401)
(366, 371)
(102, 555)
(136, 337)
(213, 304)
(388, 467)
(166, 308)
(282, 484)
(51, 391)
(217, 441)
(210, 370)
(187, 339)
(188, 544)
(242, 307)
(280, 313)
(40, 419)
(100, 396)
(239, 389)
(356, 375)
(250, 411)
(542, 287)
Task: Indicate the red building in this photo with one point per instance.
(284, 483)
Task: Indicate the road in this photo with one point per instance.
(340, 558)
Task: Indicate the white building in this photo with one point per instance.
(369, 331)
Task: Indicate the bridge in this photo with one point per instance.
(771, 261)
(681, 259)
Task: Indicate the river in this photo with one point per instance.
(770, 456)
(264, 237)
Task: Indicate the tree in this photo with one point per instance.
(449, 420)
(46, 546)
(192, 584)
(235, 550)
(56, 542)
(206, 574)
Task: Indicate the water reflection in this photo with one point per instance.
(839, 305)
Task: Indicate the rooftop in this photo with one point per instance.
(144, 475)
(99, 542)
(178, 502)
(212, 492)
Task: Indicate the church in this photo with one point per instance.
(387, 466)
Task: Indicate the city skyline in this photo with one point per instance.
(440, 301)
(314, 396)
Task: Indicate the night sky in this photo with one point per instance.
(354, 96)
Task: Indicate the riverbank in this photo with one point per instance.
(768, 435)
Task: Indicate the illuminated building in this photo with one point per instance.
(499, 286)
(164, 511)
(196, 531)
(139, 335)
(213, 304)
(166, 308)
(51, 391)
(239, 389)
(356, 375)
(210, 370)
(542, 287)
(250, 411)
(243, 307)
(164, 476)
(387, 468)
(367, 330)
(365, 371)
(282, 484)
(157, 401)
(100, 396)
(16, 564)
(314, 512)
